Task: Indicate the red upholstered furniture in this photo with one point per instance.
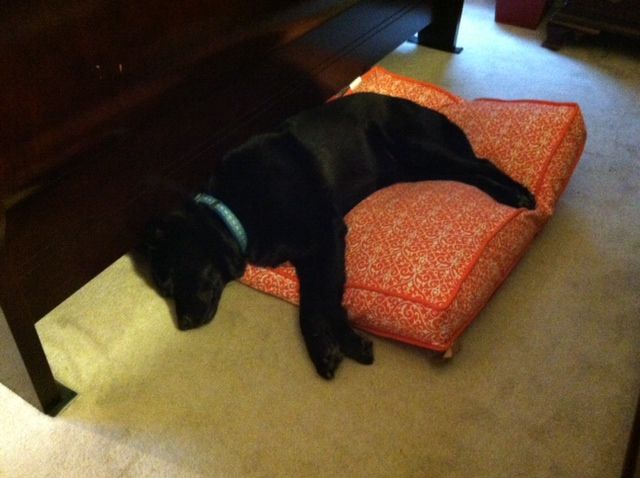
(424, 258)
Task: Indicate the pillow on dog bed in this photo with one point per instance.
(424, 258)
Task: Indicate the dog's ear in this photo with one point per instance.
(153, 243)
(163, 278)
(154, 235)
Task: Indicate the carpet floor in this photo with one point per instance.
(545, 385)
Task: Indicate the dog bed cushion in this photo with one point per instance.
(424, 258)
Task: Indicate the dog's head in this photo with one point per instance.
(191, 258)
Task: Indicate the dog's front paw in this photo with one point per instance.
(324, 352)
(356, 347)
(328, 361)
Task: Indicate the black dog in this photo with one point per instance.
(282, 197)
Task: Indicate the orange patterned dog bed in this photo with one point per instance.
(424, 258)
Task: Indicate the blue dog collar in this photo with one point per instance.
(228, 217)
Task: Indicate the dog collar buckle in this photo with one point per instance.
(228, 218)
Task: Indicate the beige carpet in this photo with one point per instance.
(545, 385)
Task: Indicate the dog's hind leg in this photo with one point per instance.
(500, 186)
(423, 160)
(427, 145)
(323, 320)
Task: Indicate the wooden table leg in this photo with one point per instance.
(442, 32)
(23, 365)
(24, 368)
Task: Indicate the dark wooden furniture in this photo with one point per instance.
(631, 466)
(104, 101)
(591, 17)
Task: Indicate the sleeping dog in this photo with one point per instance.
(282, 197)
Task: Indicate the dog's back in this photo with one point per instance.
(356, 141)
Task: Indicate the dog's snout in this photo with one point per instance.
(186, 322)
